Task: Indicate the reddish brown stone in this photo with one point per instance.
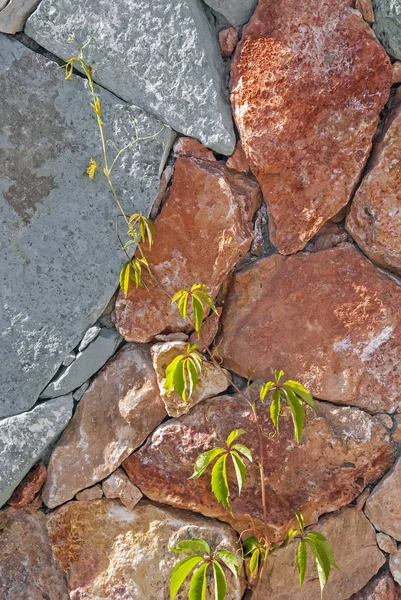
(308, 83)
(208, 332)
(228, 40)
(191, 148)
(204, 228)
(375, 217)
(93, 493)
(329, 236)
(31, 485)
(397, 429)
(238, 161)
(330, 320)
(397, 72)
(342, 450)
(383, 507)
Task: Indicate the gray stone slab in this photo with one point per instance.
(14, 13)
(89, 336)
(24, 438)
(237, 12)
(387, 25)
(86, 364)
(162, 56)
(60, 258)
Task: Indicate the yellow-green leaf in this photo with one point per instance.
(125, 275)
(180, 573)
(220, 483)
(275, 408)
(220, 586)
(302, 559)
(235, 434)
(197, 589)
(204, 460)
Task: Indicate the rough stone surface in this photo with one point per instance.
(238, 161)
(93, 493)
(366, 9)
(68, 270)
(89, 337)
(69, 359)
(342, 450)
(374, 220)
(236, 13)
(28, 570)
(387, 25)
(308, 83)
(383, 507)
(175, 77)
(396, 436)
(339, 333)
(386, 543)
(208, 332)
(114, 417)
(357, 556)
(14, 13)
(197, 240)
(119, 486)
(329, 236)
(24, 438)
(31, 485)
(191, 148)
(396, 72)
(212, 381)
(228, 40)
(87, 363)
(379, 588)
(77, 395)
(395, 566)
(109, 551)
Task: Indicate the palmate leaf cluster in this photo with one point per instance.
(195, 298)
(295, 395)
(219, 481)
(198, 564)
(182, 374)
(132, 271)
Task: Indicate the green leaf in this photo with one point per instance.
(236, 433)
(179, 380)
(275, 408)
(180, 573)
(197, 589)
(192, 376)
(220, 483)
(324, 543)
(220, 586)
(243, 450)
(183, 305)
(177, 296)
(250, 544)
(300, 391)
(265, 389)
(197, 307)
(192, 545)
(297, 412)
(207, 300)
(229, 560)
(170, 371)
(240, 470)
(302, 559)
(290, 535)
(254, 562)
(300, 519)
(322, 560)
(204, 460)
(125, 277)
(278, 375)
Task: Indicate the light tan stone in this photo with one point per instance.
(386, 543)
(366, 9)
(379, 588)
(93, 493)
(117, 485)
(383, 507)
(395, 565)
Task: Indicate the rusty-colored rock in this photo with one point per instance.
(342, 450)
(238, 161)
(115, 416)
(379, 588)
(375, 217)
(117, 485)
(329, 236)
(31, 485)
(228, 40)
(366, 9)
(204, 228)
(308, 83)
(208, 332)
(191, 148)
(357, 556)
(27, 568)
(212, 380)
(111, 552)
(330, 320)
(93, 493)
(383, 507)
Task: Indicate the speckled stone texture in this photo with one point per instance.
(24, 438)
(60, 258)
(237, 12)
(162, 56)
(387, 25)
(14, 13)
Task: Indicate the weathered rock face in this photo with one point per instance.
(387, 25)
(228, 40)
(119, 486)
(13, 14)
(197, 240)
(109, 551)
(212, 380)
(379, 588)
(47, 136)
(342, 450)
(27, 567)
(383, 507)
(330, 320)
(114, 417)
(395, 566)
(386, 543)
(191, 148)
(184, 90)
(31, 485)
(24, 438)
(355, 551)
(236, 13)
(308, 83)
(374, 221)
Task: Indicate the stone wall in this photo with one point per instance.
(272, 171)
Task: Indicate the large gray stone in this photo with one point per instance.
(162, 56)
(237, 12)
(86, 364)
(60, 258)
(387, 25)
(14, 13)
(24, 438)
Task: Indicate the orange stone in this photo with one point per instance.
(308, 81)
(203, 230)
(238, 161)
(191, 148)
(228, 40)
(31, 485)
